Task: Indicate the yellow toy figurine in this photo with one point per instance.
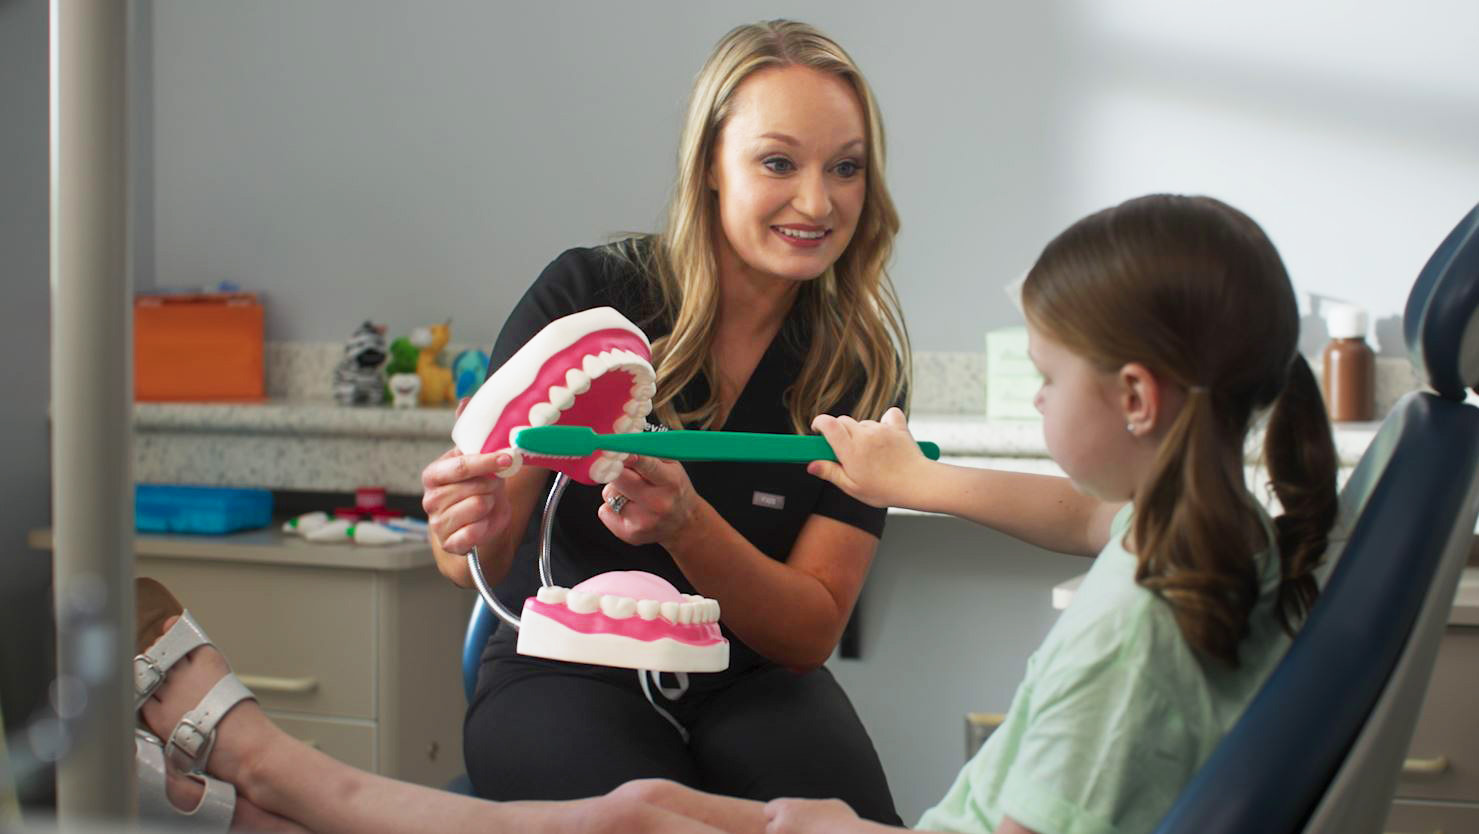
(436, 379)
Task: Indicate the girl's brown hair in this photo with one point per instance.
(856, 335)
(1195, 291)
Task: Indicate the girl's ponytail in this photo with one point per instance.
(1301, 458)
(1194, 509)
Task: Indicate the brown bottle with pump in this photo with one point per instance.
(1349, 367)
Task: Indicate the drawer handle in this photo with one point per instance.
(1425, 767)
(287, 686)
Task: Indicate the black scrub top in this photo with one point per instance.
(766, 502)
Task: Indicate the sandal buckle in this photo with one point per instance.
(147, 675)
(185, 745)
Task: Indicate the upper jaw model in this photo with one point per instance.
(592, 368)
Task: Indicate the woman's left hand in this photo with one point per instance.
(660, 501)
(794, 816)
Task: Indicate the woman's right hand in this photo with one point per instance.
(466, 506)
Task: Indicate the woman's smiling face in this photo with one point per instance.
(789, 172)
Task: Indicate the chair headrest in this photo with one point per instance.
(1441, 323)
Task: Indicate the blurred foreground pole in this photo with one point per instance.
(91, 411)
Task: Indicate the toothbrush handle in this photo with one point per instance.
(733, 446)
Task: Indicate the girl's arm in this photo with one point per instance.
(832, 816)
(880, 464)
(792, 612)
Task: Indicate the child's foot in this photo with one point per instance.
(241, 734)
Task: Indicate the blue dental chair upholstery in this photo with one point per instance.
(480, 626)
(1320, 746)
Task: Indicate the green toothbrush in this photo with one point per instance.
(579, 441)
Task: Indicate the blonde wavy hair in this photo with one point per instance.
(857, 338)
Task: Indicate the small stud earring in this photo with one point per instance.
(1130, 427)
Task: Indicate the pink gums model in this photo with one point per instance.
(629, 619)
(591, 368)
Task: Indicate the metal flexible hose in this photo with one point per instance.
(546, 575)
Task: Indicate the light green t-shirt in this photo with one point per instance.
(1115, 714)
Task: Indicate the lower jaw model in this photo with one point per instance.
(629, 619)
(591, 368)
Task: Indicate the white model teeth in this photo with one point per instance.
(561, 397)
(693, 610)
(577, 381)
(604, 469)
(543, 414)
(583, 602)
(618, 608)
(797, 233)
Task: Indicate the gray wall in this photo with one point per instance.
(26, 658)
(408, 162)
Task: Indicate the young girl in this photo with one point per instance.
(1161, 327)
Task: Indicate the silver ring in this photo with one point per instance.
(616, 502)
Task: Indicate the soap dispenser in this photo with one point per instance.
(1349, 366)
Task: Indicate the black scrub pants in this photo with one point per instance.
(539, 729)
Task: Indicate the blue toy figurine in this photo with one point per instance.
(469, 370)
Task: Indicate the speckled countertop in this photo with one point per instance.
(301, 440)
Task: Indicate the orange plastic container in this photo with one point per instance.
(205, 346)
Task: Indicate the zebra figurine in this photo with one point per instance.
(358, 378)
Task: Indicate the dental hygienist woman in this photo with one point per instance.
(767, 302)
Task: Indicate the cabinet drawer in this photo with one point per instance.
(1446, 740)
(302, 638)
(351, 743)
(1416, 817)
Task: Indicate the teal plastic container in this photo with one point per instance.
(208, 510)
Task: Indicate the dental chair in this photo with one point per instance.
(1320, 746)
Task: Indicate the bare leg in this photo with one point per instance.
(184, 792)
(285, 777)
(726, 813)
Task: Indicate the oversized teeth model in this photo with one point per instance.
(592, 368)
(629, 619)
